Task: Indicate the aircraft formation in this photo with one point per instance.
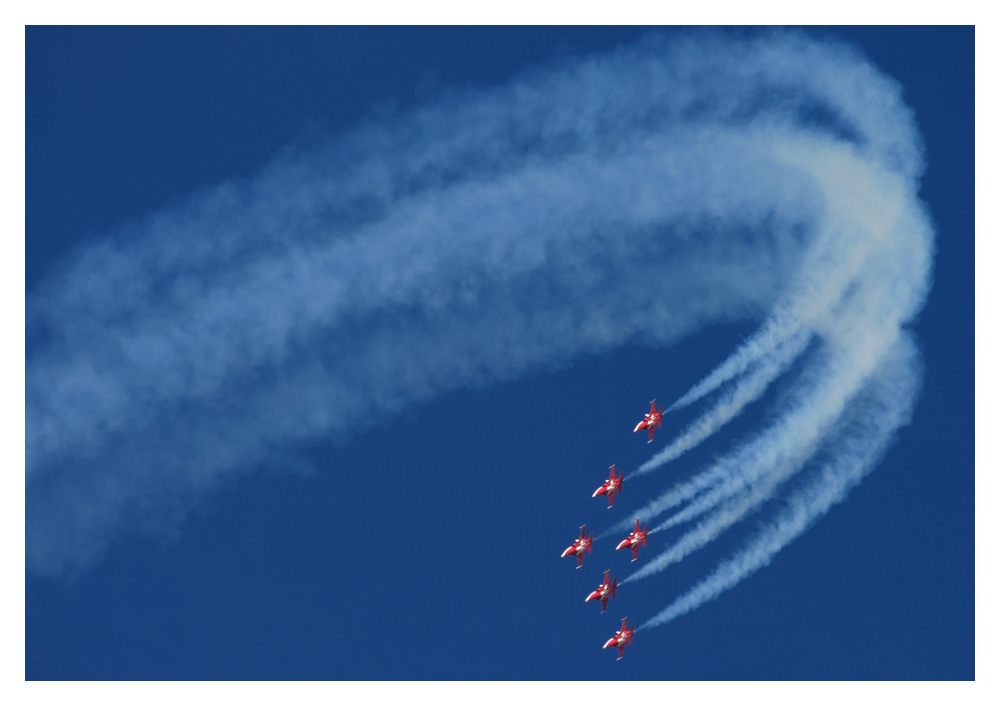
(584, 544)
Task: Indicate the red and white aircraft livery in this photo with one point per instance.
(611, 486)
(621, 637)
(603, 591)
(651, 420)
(633, 540)
(580, 546)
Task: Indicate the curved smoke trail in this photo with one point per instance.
(470, 241)
(883, 407)
(747, 389)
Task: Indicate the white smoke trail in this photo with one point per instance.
(747, 389)
(868, 329)
(724, 477)
(775, 454)
(831, 265)
(772, 458)
(707, 530)
(829, 268)
(885, 406)
(465, 243)
(858, 296)
(772, 455)
(773, 334)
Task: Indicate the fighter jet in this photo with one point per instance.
(651, 420)
(602, 592)
(580, 546)
(633, 540)
(621, 637)
(610, 487)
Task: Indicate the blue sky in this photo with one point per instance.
(237, 525)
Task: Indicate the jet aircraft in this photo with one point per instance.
(621, 637)
(633, 540)
(651, 420)
(603, 591)
(610, 486)
(580, 546)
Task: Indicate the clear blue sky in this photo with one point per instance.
(425, 544)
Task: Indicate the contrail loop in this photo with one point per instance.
(483, 236)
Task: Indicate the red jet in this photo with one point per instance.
(621, 637)
(580, 546)
(633, 540)
(603, 591)
(651, 420)
(610, 487)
